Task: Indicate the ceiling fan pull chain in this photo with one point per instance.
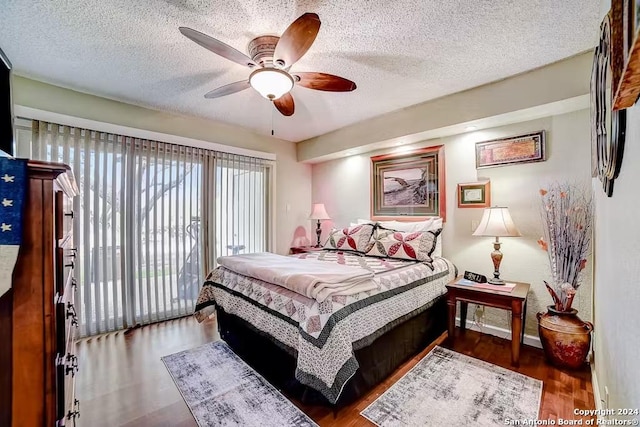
(272, 121)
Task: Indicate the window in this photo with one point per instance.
(151, 219)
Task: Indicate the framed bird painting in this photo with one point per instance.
(408, 186)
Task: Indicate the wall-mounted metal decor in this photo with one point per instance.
(628, 87)
(607, 126)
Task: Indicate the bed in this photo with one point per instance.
(335, 350)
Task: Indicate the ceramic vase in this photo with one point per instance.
(566, 339)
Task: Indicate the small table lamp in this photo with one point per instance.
(496, 222)
(318, 213)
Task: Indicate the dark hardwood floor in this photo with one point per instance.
(123, 382)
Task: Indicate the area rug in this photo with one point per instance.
(221, 390)
(450, 389)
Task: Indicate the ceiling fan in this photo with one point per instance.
(271, 57)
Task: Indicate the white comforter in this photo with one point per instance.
(311, 278)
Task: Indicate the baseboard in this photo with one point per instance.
(596, 392)
(531, 340)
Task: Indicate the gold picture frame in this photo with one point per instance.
(508, 151)
(408, 186)
(474, 195)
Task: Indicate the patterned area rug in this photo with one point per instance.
(221, 390)
(450, 389)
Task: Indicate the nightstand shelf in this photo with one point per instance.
(514, 301)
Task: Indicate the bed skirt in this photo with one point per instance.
(377, 361)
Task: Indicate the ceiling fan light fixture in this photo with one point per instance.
(271, 83)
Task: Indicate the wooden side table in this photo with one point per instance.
(302, 249)
(515, 301)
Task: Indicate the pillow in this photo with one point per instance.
(415, 245)
(350, 238)
(431, 224)
(437, 252)
(362, 221)
(365, 221)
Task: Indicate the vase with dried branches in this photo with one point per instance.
(567, 217)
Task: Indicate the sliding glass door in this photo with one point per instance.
(241, 225)
(152, 219)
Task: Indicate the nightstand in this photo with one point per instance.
(514, 301)
(302, 249)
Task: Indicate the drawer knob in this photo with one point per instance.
(71, 312)
(69, 214)
(71, 370)
(72, 415)
(72, 367)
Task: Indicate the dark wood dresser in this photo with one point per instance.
(38, 314)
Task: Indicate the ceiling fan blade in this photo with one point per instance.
(297, 39)
(228, 89)
(324, 81)
(285, 104)
(216, 46)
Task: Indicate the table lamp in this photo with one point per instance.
(496, 222)
(318, 213)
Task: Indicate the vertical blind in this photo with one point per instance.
(151, 219)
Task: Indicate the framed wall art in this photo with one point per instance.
(474, 195)
(507, 151)
(409, 186)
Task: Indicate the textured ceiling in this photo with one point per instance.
(399, 52)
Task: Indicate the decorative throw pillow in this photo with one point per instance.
(431, 224)
(416, 245)
(350, 238)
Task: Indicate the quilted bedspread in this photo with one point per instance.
(308, 277)
(323, 336)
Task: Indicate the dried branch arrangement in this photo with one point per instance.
(567, 217)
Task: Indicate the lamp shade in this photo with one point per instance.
(271, 83)
(319, 212)
(497, 222)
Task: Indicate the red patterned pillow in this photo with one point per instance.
(351, 238)
(415, 245)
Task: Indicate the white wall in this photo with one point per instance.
(344, 186)
(502, 100)
(293, 179)
(616, 285)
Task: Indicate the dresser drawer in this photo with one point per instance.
(71, 320)
(66, 320)
(72, 404)
(65, 264)
(67, 406)
(66, 359)
(64, 216)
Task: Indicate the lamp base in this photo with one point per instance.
(318, 233)
(496, 257)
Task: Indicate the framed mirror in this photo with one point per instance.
(608, 127)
